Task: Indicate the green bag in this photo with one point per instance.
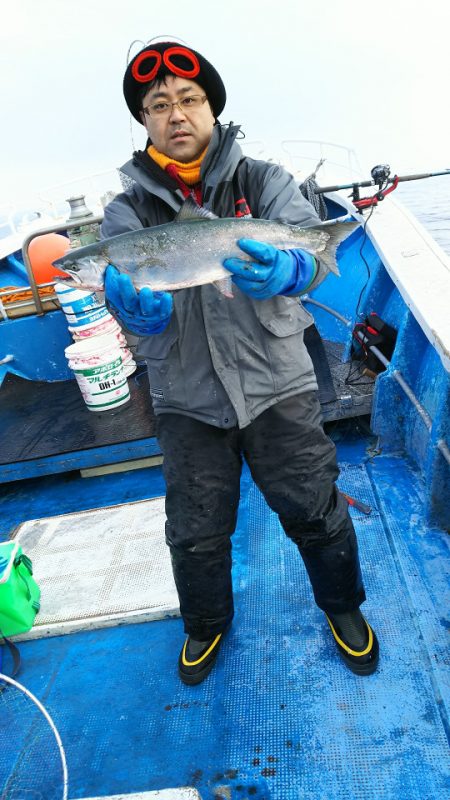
(19, 592)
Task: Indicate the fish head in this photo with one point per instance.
(84, 272)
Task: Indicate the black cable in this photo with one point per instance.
(357, 370)
(364, 260)
(348, 380)
(372, 208)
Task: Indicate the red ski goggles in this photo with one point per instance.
(166, 57)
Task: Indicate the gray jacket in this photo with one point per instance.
(222, 361)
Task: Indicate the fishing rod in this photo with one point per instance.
(381, 177)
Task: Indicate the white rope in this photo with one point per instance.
(47, 716)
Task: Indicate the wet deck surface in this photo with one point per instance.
(280, 713)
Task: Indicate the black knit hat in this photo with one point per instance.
(170, 58)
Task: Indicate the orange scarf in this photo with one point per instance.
(189, 173)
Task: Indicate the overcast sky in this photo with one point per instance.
(369, 76)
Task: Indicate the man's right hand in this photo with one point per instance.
(142, 313)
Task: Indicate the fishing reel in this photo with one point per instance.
(380, 174)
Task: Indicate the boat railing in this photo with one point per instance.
(337, 162)
(37, 301)
(5, 294)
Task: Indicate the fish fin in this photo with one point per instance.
(190, 210)
(338, 232)
(225, 286)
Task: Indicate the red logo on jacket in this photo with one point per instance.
(242, 209)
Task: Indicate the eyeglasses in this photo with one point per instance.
(190, 103)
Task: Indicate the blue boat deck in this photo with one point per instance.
(279, 717)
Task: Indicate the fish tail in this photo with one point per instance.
(338, 232)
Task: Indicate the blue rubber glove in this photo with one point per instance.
(273, 272)
(141, 313)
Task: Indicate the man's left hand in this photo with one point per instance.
(272, 272)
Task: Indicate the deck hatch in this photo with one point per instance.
(115, 569)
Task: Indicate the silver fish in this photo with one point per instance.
(190, 251)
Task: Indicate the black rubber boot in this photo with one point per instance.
(356, 642)
(197, 659)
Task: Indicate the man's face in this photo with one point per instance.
(181, 135)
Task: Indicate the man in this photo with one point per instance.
(230, 378)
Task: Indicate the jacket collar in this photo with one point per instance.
(219, 165)
(220, 162)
